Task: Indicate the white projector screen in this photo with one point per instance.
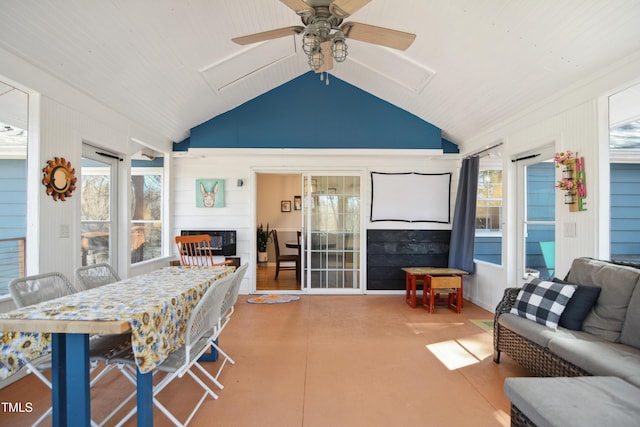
(410, 197)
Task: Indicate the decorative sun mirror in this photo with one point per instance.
(59, 178)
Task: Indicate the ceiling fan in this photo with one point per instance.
(324, 32)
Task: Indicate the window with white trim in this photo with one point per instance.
(488, 241)
(146, 211)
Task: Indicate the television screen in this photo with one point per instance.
(223, 242)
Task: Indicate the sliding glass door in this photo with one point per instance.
(331, 233)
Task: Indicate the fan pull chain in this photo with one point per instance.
(322, 78)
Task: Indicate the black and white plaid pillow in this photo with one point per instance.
(543, 302)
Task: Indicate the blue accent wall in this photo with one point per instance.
(449, 147)
(306, 113)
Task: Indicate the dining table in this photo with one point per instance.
(154, 306)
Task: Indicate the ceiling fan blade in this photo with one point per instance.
(344, 8)
(378, 35)
(268, 35)
(328, 59)
(299, 7)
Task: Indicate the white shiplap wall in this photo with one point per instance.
(60, 119)
(573, 129)
(239, 211)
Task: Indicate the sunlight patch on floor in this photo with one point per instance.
(456, 354)
(451, 354)
(480, 345)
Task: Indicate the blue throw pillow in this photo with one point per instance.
(578, 306)
(543, 302)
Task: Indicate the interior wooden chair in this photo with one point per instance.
(196, 251)
(283, 262)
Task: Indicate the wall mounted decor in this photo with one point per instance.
(297, 203)
(209, 193)
(285, 206)
(59, 178)
(572, 180)
(581, 185)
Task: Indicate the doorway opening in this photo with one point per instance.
(315, 218)
(276, 209)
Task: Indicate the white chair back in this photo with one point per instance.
(38, 288)
(93, 276)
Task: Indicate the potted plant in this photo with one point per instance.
(263, 237)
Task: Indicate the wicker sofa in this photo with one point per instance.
(608, 342)
(605, 344)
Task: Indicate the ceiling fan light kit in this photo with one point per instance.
(324, 35)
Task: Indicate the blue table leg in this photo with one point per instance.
(70, 380)
(145, 398)
(211, 356)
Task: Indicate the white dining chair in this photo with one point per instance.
(34, 289)
(107, 346)
(93, 276)
(203, 320)
(227, 309)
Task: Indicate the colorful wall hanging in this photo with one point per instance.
(573, 180)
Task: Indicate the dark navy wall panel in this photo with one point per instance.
(306, 113)
(390, 250)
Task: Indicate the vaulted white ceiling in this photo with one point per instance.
(171, 65)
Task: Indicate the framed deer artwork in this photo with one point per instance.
(209, 193)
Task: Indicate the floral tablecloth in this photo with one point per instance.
(156, 305)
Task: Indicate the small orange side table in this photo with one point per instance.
(428, 274)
